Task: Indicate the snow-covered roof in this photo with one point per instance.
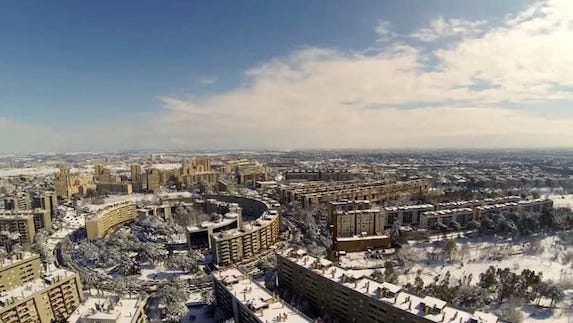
(257, 299)
(385, 292)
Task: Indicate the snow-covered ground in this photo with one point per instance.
(476, 256)
(29, 171)
(562, 200)
(158, 272)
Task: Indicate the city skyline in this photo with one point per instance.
(258, 75)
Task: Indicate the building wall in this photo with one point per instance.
(56, 302)
(235, 248)
(362, 244)
(23, 268)
(23, 223)
(111, 216)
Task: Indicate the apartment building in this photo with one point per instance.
(246, 301)
(25, 223)
(475, 203)
(110, 309)
(311, 195)
(359, 230)
(67, 185)
(248, 240)
(356, 298)
(20, 201)
(324, 175)
(448, 217)
(18, 269)
(405, 215)
(250, 174)
(115, 188)
(45, 200)
(108, 216)
(50, 298)
(537, 205)
(191, 173)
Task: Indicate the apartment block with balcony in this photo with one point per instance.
(51, 298)
(108, 216)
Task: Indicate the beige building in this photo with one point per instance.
(349, 297)
(110, 309)
(109, 216)
(18, 269)
(245, 300)
(20, 201)
(191, 173)
(34, 297)
(24, 222)
(248, 240)
(67, 185)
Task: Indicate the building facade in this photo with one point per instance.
(354, 298)
(108, 217)
(33, 296)
(311, 195)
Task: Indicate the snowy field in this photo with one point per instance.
(29, 171)
(475, 256)
(562, 200)
(159, 272)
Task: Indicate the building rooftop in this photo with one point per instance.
(33, 287)
(225, 220)
(121, 310)
(99, 209)
(430, 308)
(247, 228)
(13, 259)
(259, 300)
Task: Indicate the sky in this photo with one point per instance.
(324, 74)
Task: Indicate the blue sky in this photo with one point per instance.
(102, 64)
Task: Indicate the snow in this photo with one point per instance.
(479, 255)
(158, 272)
(562, 200)
(29, 171)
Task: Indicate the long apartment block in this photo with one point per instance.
(107, 217)
(355, 298)
(246, 301)
(315, 194)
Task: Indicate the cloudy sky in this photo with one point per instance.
(111, 75)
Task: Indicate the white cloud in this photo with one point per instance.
(445, 28)
(383, 31)
(398, 97)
